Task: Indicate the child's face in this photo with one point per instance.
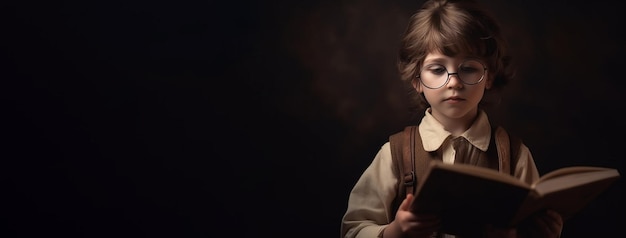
(454, 99)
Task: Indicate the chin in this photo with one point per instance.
(457, 113)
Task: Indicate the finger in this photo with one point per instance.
(553, 220)
(406, 203)
(492, 231)
(423, 229)
(409, 198)
(548, 225)
(555, 216)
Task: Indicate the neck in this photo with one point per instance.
(457, 126)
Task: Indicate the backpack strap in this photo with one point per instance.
(401, 150)
(503, 146)
(410, 158)
(508, 147)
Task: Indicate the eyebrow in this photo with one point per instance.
(438, 60)
(444, 60)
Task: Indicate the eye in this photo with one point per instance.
(470, 66)
(436, 69)
(468, 69)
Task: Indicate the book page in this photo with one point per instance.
(569, 170)
(573, 179)
(568, 194)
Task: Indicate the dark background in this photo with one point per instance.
(255, 118)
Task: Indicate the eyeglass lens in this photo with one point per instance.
(436, 75)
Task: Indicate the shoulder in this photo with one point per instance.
(525, 167)
(515, 141)
(523, 164)
(403, 131)
(384, 159)
(384, 153)
(382, 166)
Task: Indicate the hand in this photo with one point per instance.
(408, 224)
(494, 232)
(546, 224)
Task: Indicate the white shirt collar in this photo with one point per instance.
(434, 135)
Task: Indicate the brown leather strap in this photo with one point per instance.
(421, 157)
(410, 158)
(410, 180)
(403, 153)
(397, 145)
(503, 146)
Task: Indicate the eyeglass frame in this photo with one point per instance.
(457, 75)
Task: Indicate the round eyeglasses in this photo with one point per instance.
(435, 76)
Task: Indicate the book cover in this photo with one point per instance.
(468, 197)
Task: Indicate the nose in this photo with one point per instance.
(454, 81)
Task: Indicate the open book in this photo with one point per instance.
(467, 197)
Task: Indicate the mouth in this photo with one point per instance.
(454, 99)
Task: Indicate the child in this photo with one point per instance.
(452, 53)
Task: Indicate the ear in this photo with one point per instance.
(489, 82)
(416, 85)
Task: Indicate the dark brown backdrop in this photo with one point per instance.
(192, 118)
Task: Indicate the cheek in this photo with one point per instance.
(431, 94)
(476, 94)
